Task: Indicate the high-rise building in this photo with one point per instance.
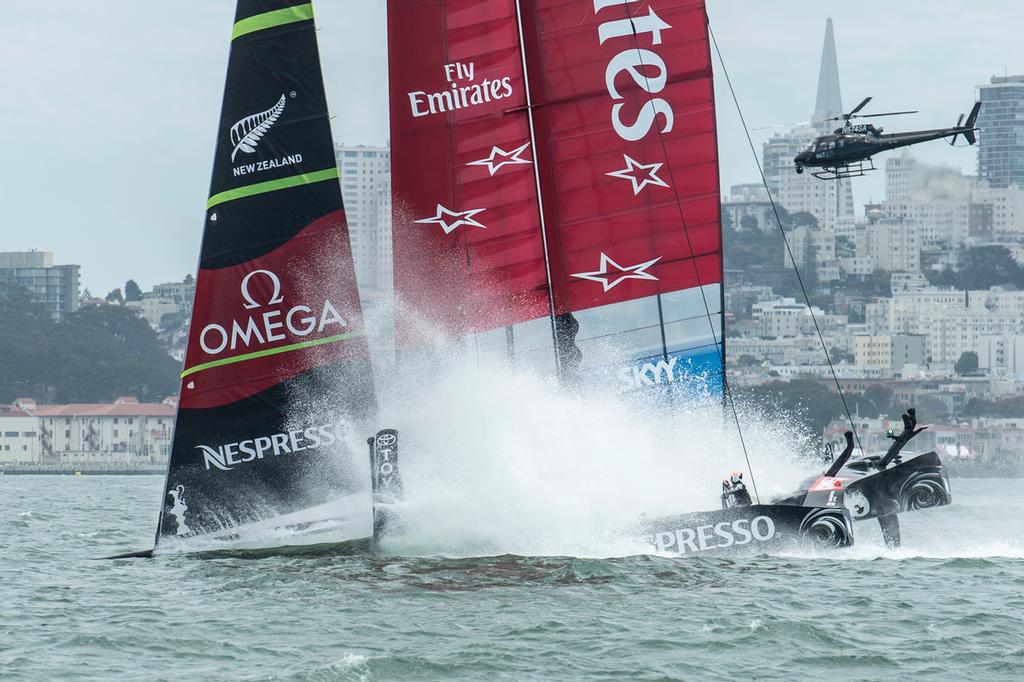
(366, 189)
(1001, 135)
(829, 103)
(829, 201)
(55, 286)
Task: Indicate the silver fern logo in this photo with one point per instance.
(247, 133)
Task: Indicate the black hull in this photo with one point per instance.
(348, 548)
(755, 529)
(912, 482)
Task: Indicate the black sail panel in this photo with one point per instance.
(277, 381)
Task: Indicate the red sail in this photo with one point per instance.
(618, 222)
(467, 241)
(624, 103)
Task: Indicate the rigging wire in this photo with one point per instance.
(785, 239)
(726, 390)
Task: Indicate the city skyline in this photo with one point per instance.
(136, 125)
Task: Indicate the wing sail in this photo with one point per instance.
(277, 374)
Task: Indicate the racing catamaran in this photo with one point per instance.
(555, 181)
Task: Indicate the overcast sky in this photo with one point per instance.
(109, 108)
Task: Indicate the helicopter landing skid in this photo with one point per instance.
(850, 170)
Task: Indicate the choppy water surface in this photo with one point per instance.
(950, 605)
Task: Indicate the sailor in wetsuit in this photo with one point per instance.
(734, 492)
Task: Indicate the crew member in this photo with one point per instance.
(734, 492)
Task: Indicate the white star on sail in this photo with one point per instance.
(605, 276)
(648, 177)
(444, 216)
(508, 158)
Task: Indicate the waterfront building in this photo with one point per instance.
(19, 436)
(124, 432)
(55, 286)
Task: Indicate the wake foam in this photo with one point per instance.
(497, 461)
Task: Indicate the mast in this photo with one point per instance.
(540, 196)
(277, 377)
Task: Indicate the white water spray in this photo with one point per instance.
(499, 460)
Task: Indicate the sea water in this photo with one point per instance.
(510, 564)
(459, 604)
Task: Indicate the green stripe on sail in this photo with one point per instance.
(270, 351)
(273, 185)
(279, 17)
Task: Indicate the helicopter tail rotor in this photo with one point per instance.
(967, 129)
(959, 122)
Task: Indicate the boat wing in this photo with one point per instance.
(277, 377)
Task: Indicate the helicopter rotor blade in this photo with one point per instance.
(887, 113)
(859, 106)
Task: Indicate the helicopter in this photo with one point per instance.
(848, 150)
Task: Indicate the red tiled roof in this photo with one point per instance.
(106, 410)
(12, 411)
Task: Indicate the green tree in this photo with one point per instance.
(967, 363)
(109, 351)
(811, 403)
(114, 297)
(171, 321)
(132, 292)
(979, 407)
(750, 249)
(809, 269)
(838, 356)
(26, 346)
(981, 267)
(875, 401)
(930, 408)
